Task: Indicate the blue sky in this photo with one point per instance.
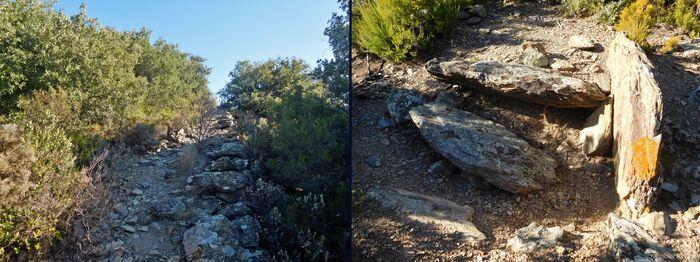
(223, 31)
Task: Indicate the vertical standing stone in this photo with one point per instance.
(636, 125)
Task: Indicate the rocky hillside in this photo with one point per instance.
(177, 204)
(536, 136)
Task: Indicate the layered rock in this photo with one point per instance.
(429, 210)
(534, 237)
(581, 42)
(527, 83)
(596, 135)
(484, 148)
(399, 102)
(213, 182)
(637, 113)
(630, 242)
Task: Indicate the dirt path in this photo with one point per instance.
(578, 203)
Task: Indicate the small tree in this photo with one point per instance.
(205, 124)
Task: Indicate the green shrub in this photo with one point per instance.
(141, 138)
(582, 7)
(30, 220)
(685, 14)
(636, 19)
(609, 12)
(396, 29)
(670, 44)
(308, 141)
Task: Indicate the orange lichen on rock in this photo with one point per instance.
(645, 152)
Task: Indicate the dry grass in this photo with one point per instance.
(92, 203)
(191, 160)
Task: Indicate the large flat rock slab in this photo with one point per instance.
(484, 148)
(429, 210)
(637, 111)
(527, 83)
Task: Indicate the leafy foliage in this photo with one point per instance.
(396, 29)
(636, 19)
(253, 84)
(686, 14)
(44, 192)
(70, 84)
(335, 72)
(670, 44)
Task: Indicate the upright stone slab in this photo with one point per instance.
(526, 83)
(637, 114)
(484, 148)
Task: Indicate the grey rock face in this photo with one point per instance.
(581, 42)
(231, 149)
(629, 241)
(484, 148)
(373, 161)
(172, 208)
(597, 134)
(478, 10)
(249, 231)
(526, 83)
(533, 237)
(429, 210)
(213, 182)
(534, 57)
(235, 210)
(227, 164)
(214, 239)
(399, 102)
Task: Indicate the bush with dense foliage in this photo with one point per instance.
(296, 120)
(396, 29)
(636, 19)
(686, 14)
(71, 84)
(638, 16)
(39, 185)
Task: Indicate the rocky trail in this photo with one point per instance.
(178, 205)
(477, 127)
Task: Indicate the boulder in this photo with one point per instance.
(231, 149)
(655, 222)
(399, 102)
(563, 66)
(478, 10)
(596, 135)
(441, 168)
(235, 210)
(534, 237)
(429, 210)
(215, 239)
(581, 42)
(534, 57)
(227, 164)
(170, 208)
(637, 112)
(602, 79)
(484, 148)
(630, 242)
(248, 231)
(213, 182)
(530, 84)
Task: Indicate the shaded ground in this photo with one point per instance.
(579, 202)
